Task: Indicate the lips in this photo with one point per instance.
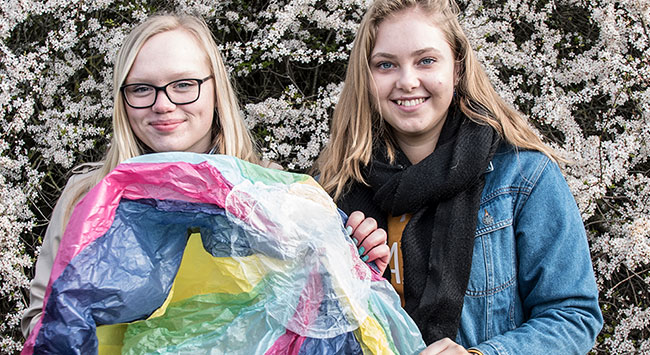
(166, 126)
(410, 102)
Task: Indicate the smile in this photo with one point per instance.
(411, 102)
(166, 126)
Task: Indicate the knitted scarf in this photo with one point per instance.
(442, 192)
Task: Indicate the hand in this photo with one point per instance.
(444, 346)
(370, 240)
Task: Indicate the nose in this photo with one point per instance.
(408, 79)
(163, 103)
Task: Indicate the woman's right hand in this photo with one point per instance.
(444, 346)
(370, 240)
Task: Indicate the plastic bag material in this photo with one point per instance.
(183, 253)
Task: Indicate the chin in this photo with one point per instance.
(162, 149)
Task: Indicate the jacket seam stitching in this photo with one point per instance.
(504, 191)
(534, 178)
(495, 226)
(492, 291)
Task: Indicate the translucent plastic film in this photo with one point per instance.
(325, 293)
(181, 253)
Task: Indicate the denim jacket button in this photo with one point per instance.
(487, 218)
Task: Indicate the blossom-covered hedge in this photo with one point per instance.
(579, 69)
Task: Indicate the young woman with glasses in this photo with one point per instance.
(171, 93)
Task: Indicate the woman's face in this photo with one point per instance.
(413, 70)
(165, 126)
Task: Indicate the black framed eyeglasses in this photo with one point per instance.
(179, 92)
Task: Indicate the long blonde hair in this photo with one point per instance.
(229, 133)
(355, 124)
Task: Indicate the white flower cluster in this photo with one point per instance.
(580, 70)
(620, 343)
(51, 111)
(287, 31)
(296, 130)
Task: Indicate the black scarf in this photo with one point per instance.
(442, 192)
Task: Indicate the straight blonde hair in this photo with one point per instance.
(356, 124)
(229, 133)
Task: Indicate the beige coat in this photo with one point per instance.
(47, 254)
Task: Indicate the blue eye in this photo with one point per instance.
(140, 90)
(184, 85)
(427, 61)
(384, 65)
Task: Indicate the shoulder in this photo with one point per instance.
(508, 155)
(83, 171)
(517, 170)
(78, 175)
(510, 162)
(73, 190)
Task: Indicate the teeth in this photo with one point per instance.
(412, 102)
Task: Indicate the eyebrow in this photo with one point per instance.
(179, 75)
(414, 53)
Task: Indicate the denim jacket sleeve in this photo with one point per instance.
(555, 279)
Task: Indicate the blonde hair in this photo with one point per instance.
(355, 124)
(229, 133)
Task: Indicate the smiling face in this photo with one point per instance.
(413, 70)
(163, 127)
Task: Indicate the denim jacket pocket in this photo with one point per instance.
(492, 284)
(493, 262)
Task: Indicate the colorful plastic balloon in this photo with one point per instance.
(183, 253)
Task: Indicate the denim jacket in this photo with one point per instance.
(532, 288)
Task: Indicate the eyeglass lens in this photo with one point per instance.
(179, 92)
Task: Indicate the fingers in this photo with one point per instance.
(354, 220)
(370, 240)
(444, 347)
(360, 228)
(380, 254)
(365, 230)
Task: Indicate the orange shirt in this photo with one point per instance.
(395, 228)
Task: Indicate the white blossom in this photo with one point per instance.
(584, 88)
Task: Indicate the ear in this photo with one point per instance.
(457, 71)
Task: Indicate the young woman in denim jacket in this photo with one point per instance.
(488, 248)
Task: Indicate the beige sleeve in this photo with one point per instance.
(46, 257)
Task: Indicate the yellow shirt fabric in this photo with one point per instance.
(395, 229)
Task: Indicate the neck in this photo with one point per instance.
(418, 146)
(417, 150)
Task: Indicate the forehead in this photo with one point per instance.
(169, 54)
(409, 30)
